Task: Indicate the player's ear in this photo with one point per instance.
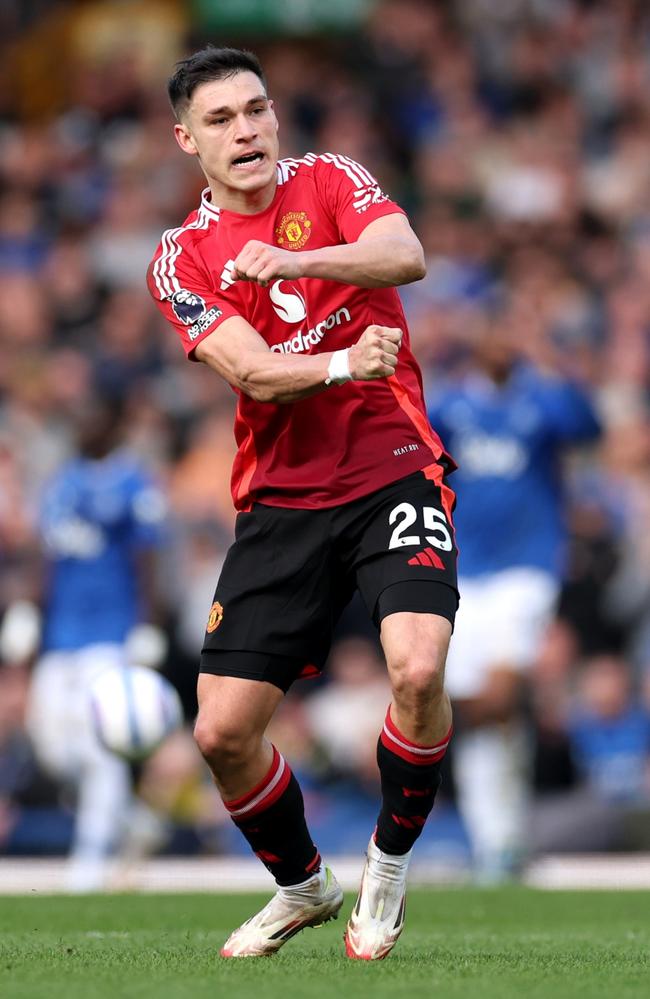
(184, 139)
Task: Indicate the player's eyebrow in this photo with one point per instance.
(225, 109)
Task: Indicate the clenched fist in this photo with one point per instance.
(262, 263)
(374, 355)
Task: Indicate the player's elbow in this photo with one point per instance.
(412, 264)
(260, 393)
(264, 392)
(260, 379)
(418, 264)
(252, 384)
(243, 371)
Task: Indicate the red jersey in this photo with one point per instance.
(348, 440)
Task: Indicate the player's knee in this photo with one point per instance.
(418, 677)
(222, 744)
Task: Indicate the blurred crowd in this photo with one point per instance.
(517, 136)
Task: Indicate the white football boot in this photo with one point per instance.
(311, 903)
(378, 915)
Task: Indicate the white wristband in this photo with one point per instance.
(338, 370)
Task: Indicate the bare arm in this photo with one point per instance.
(386, 254)
(238, 353)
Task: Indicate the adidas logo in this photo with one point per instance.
(228, 275)
(427, 557)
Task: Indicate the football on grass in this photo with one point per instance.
(133, 709)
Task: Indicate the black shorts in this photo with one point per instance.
(290, 573)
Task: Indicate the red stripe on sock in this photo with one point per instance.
(402, 820)
(415, 745)
(267, 857)
(268, 799)
(236, 803)
(393, 740)
(409, 821)
(315, 863)
(420, 760)
(256, 800)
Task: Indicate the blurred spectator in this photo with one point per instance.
(610, 733)
(506, 421)
(609, 737)
(23, 789)
(345, 715)
(101, 524)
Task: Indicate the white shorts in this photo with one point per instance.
(501, 620)
(58, 716)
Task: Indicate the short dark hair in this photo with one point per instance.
(210, 63)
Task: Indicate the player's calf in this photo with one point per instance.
(410, 777)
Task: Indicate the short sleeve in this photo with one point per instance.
(185, 295)
(352, 194)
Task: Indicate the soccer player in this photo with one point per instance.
(508, 421)
(101, 526)
(283, 282)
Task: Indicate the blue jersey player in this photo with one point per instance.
(101, 525)
(507, 421)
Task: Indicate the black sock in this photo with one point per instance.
(272, 818)
(410, 777)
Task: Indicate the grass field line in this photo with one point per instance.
(238, 874)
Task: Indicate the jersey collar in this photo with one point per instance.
(207, 206)
(213, 211)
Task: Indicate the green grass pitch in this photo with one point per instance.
(488, 944)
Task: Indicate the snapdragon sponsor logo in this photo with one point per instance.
(301, 342)
(289, 306)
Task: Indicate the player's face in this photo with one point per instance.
(231, 126)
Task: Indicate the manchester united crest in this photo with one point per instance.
(215, 617)
(294, 230)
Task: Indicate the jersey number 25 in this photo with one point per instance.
(434, 520)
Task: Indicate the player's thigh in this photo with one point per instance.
(415, 646)
(234, 708)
